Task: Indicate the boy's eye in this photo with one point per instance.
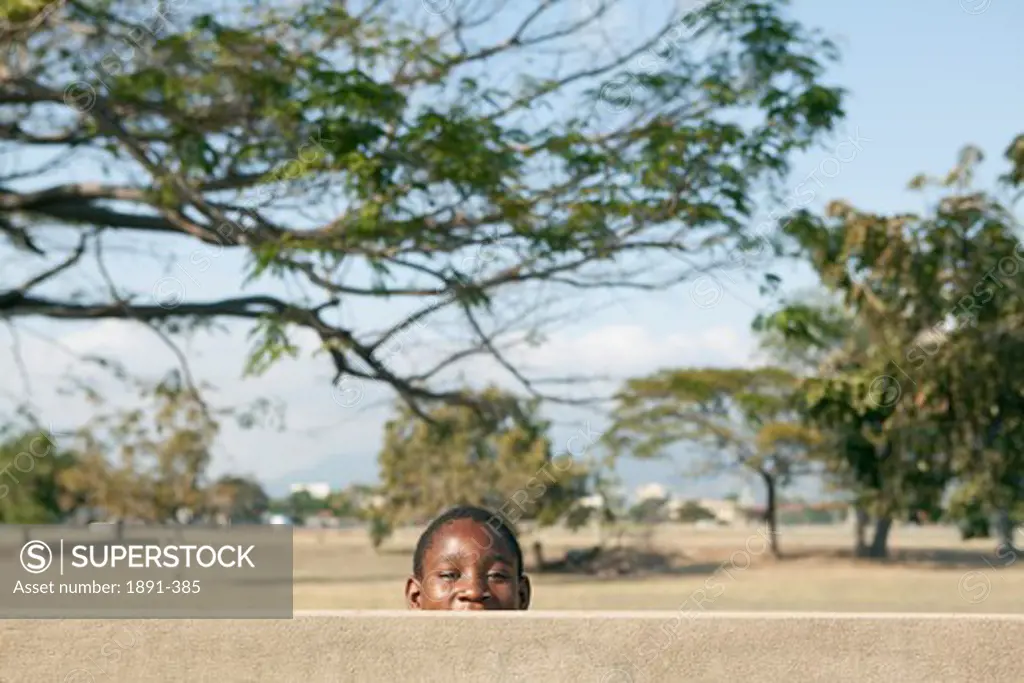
(499, 576)
(448, 575)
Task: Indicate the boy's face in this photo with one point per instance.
(468, 566)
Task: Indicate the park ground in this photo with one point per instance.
(930, 570)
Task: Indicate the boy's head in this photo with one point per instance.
(468, 559)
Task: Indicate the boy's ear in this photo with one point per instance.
(525, 592)
(413, 593)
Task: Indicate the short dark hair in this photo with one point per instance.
(477, 514)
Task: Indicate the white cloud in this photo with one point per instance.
(629, 349)
(110, 337)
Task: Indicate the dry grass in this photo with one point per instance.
(932, 571)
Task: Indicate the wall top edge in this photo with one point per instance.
(664, 614)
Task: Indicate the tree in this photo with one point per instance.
(31, 467)
(733, 418)
(149, 462)
(238, 499)
(341, 154)
(503, 462)
(932, 400)
(817, 336)
(809, 332)
(302, 504)
(691, 512)
(343, 504)
(380, 529)
(649, 511)
(879, 459)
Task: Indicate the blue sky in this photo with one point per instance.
(925, 79)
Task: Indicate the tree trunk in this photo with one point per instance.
(860, 531)
(1004, 533)
(880, 543)
(771, 513)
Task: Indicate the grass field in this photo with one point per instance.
(931, 571)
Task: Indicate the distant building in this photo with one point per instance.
(651, 492)
(319, 490)
(279, 519)
(374, 502)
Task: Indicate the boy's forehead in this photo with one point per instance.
(462, 535)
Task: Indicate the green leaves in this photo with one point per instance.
(271, 344)
(733, 417)
(375, 156)
(917, 371)
(31, 491)
(500, 457)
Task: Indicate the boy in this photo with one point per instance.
(468, 559)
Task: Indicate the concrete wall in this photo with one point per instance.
(608, 647)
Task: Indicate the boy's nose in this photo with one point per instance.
(474, 588)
